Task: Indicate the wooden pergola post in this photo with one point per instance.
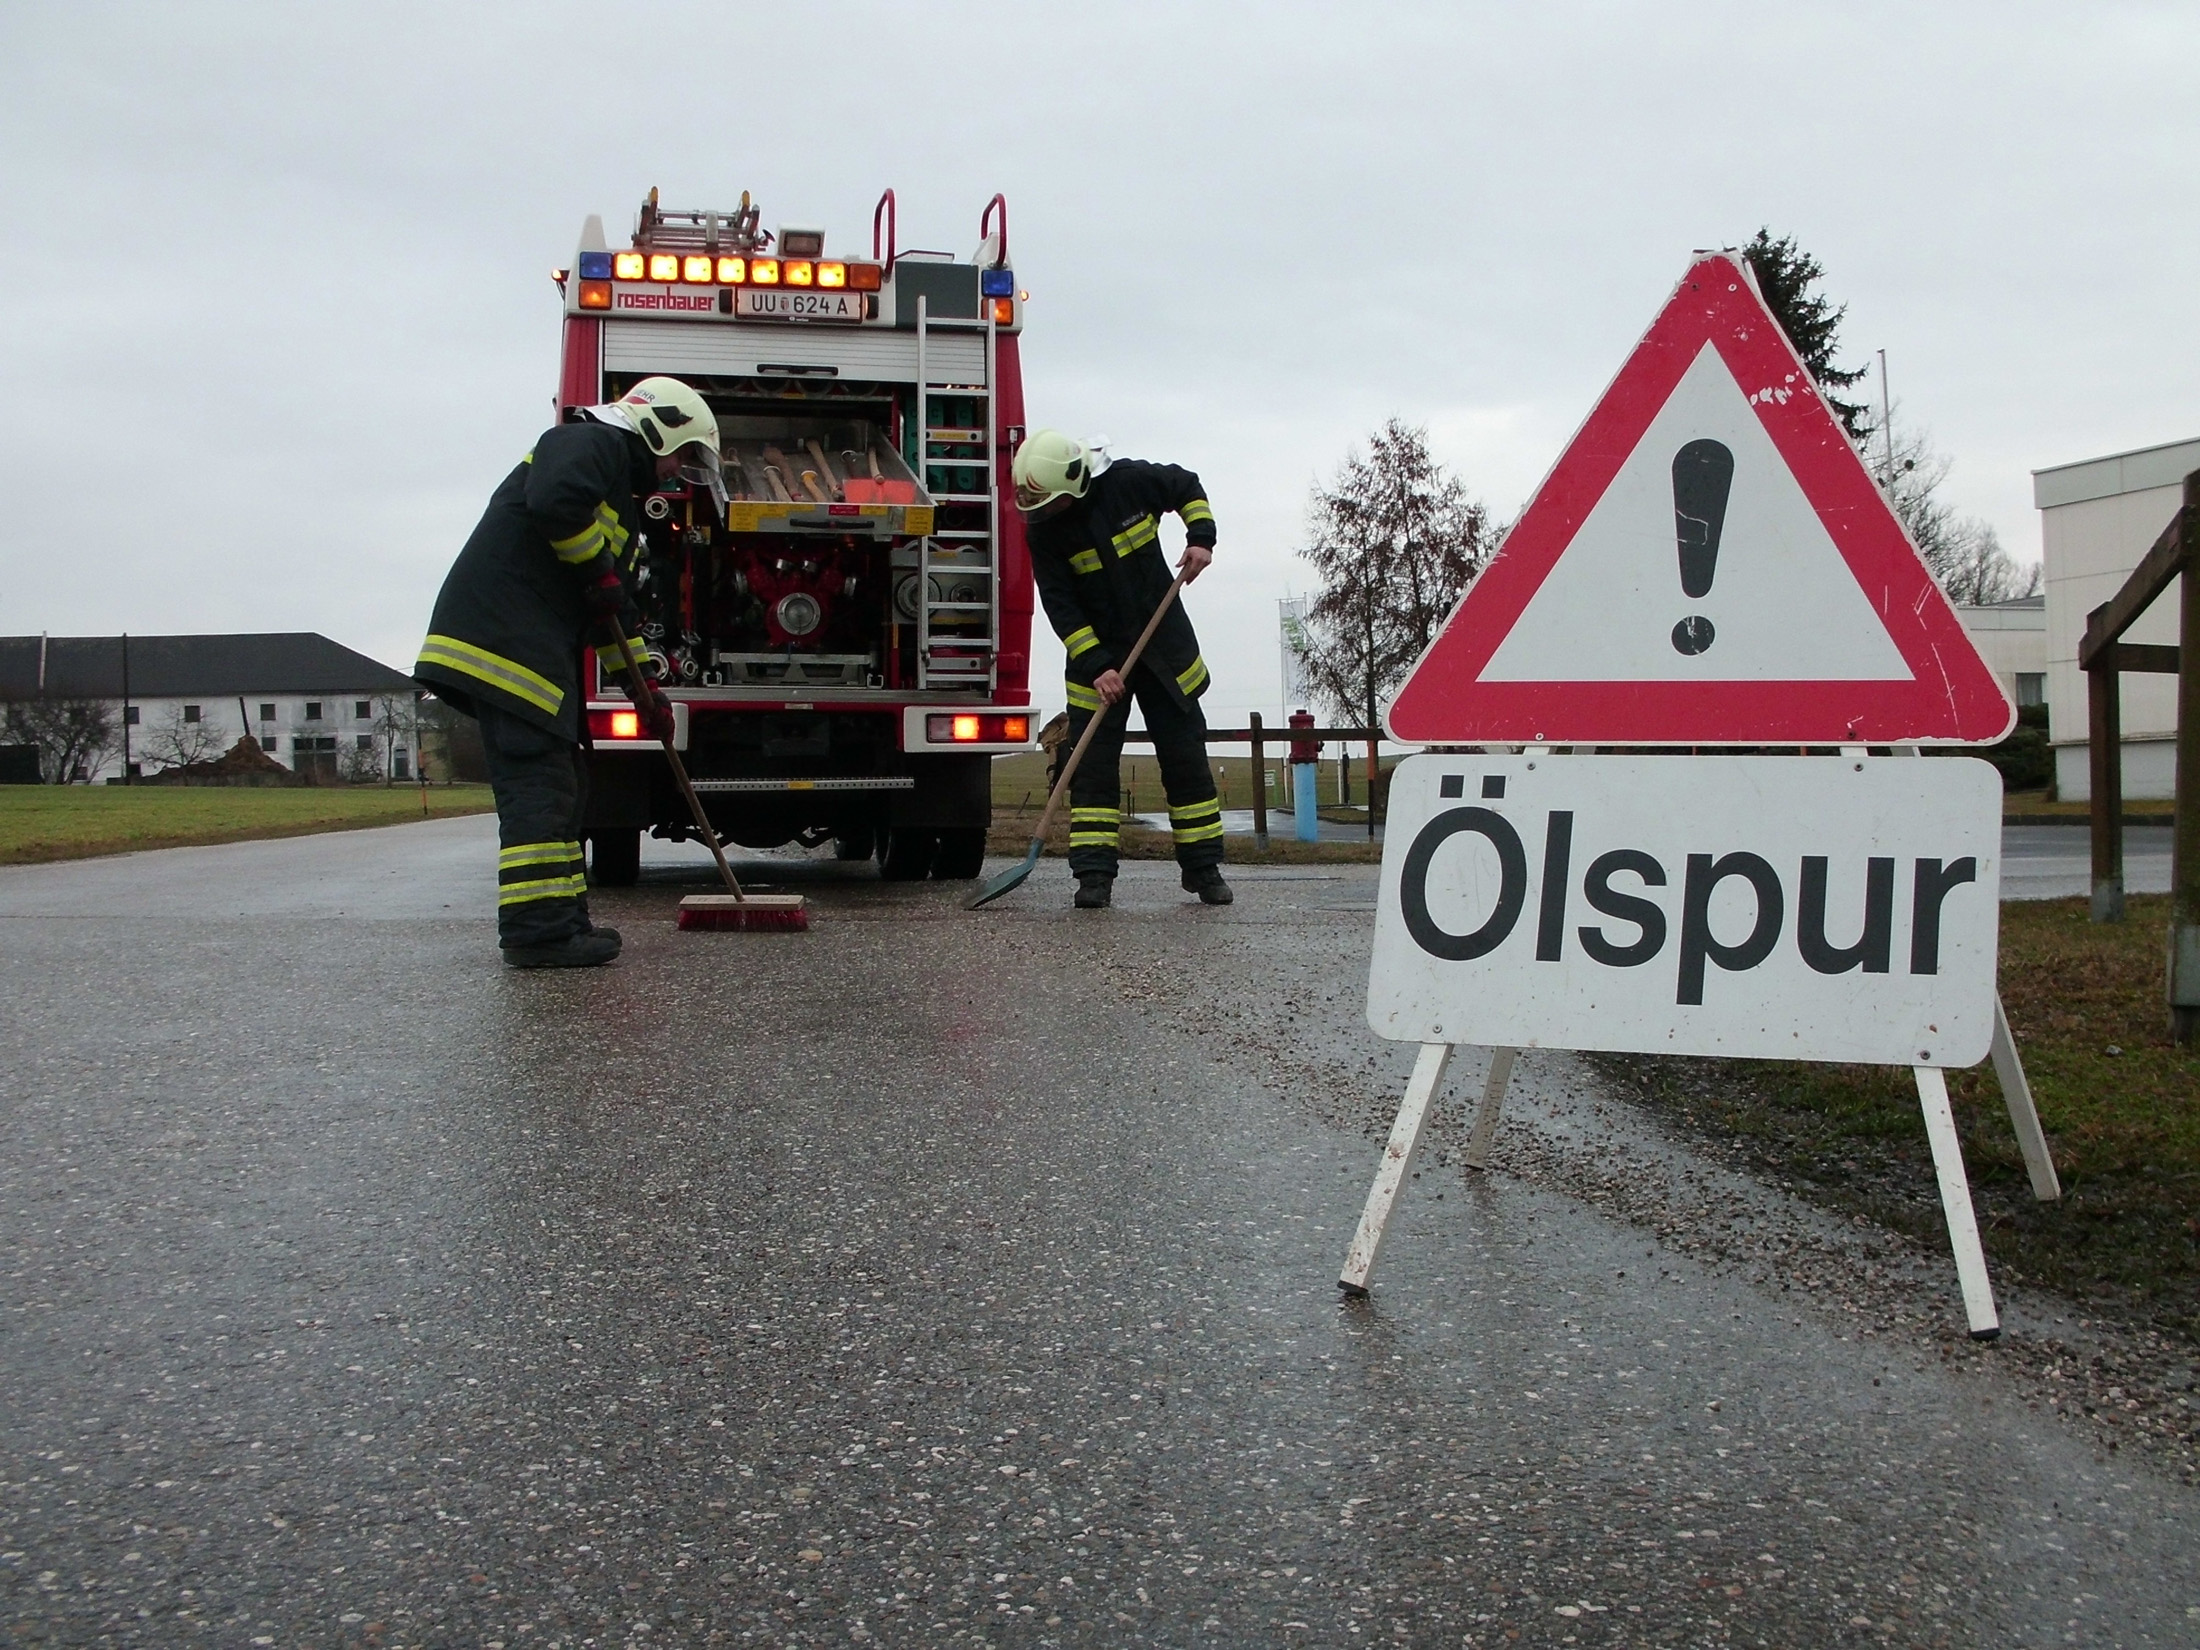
(2103, 654)
(2184, 910)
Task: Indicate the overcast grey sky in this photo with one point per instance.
(279, 317)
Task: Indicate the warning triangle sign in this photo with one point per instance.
(1708, 563)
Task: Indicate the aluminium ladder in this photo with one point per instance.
(949, 654)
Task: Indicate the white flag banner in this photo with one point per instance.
(1291, 615)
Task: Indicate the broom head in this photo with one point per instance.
(751, 914)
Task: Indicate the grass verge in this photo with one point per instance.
(39, 823)
(2119, 1100)
(1012, 828)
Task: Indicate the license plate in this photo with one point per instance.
(773, 303)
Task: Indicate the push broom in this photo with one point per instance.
(732, 910)
(1013, 877)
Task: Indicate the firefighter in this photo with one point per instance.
(1094, 531)
(548, 570)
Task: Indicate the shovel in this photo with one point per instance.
(1013, 877)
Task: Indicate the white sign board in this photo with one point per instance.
(1291, 628)
(1772, 907)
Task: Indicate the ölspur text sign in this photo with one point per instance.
(1801, 908)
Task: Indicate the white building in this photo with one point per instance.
(2097, 519)
(2011, 637)
(312, 704)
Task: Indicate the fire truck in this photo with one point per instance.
(847, 635)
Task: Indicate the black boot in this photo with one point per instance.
(587, 950)
(1095, 891)
(1206, 881)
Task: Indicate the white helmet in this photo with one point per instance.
(669, 416)
(1050, 465)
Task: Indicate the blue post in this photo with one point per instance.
(1304, 786)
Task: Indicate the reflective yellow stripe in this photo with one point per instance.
(1095, 816)
(1082, 698)
(1195, 510)
(1192, 675)
(1192, 811)
(1085, 561)
(1082, 640)
(1196, 833)
(615, 536)
(1138, 535)
(584, 545)
(484, 666)
(1093, 839)
(520, 893)
(537, 853)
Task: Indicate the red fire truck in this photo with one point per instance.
(848, 639)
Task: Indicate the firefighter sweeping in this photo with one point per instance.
(1094, 531)
(550, 563)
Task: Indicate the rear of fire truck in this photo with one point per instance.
(847, 644)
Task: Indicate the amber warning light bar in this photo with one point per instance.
(598, 270)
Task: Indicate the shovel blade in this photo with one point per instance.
(1011, 878)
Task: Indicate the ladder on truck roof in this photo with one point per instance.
(952, 562)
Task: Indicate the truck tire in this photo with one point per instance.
(615, 858)
(961, 855)
(857, 842)
(905, 853)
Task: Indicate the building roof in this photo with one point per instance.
(181, 667)
(2017, 613)
(2133, 472)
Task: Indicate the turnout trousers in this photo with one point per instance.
(541, 783)
(1180, 744)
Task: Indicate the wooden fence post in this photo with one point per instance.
(2105, 756)
(2184, 911)
(1260, 788)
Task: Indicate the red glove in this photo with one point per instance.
(606, 597)
(656, 711)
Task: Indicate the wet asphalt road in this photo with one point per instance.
(929, 1278)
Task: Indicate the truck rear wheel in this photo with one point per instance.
(614, 858)
(961, 855)
(905, 853)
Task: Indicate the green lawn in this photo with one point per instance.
(48, 822)
(1020, 791)
(2119, 1100)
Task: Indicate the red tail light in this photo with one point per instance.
(968, 729)
(614, 724)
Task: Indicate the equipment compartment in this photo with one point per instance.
(801, 474)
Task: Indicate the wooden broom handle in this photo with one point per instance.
(1092, 724)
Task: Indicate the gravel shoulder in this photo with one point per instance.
(1621, 1135)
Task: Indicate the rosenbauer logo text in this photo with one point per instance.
(664, 300)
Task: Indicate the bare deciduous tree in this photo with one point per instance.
(74, 736)
(179, 742)
(1963, 553)
(1396, 541)
(397, 725)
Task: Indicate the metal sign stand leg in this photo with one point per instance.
(1405, 1135)
(1955, 1201)
(1477, 1154)
(2016, 1094)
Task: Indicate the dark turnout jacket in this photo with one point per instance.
(1101, 573)
(512, 618)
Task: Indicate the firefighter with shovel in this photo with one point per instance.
(1094, 532)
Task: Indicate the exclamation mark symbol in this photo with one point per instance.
(1703, 471)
